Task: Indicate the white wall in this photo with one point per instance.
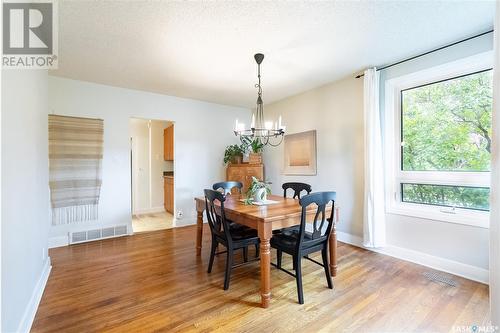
(139, 132)
(495, 184)
(336, 112)
(25, 196)
(202, 130)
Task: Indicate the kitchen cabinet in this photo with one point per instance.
(168, 188)
(168, 143)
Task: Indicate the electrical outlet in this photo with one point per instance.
(180, 214)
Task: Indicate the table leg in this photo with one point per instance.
(265, 234)
(333, 244)
(199, 231)
(333, 251)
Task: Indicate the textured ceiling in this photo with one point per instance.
(204, 50)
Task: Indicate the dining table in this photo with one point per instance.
(278, 212)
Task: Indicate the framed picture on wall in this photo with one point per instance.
(300, 154)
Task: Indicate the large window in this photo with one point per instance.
(441, 142)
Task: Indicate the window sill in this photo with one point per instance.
(461, 216)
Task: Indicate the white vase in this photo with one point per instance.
(260, 195)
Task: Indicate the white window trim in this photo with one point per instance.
(393, 173)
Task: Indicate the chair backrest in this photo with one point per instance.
(215, 214)
(227, 186)
(319, 233)
(297, 188)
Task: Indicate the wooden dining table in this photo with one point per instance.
(285, 212)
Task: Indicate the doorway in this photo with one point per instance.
(152, 174)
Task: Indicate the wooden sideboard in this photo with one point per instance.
(244, 172)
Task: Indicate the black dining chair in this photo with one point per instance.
(232, 239)
(300, 243)
(227, 186)
(297, 188)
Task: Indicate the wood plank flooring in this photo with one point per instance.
(153, 282)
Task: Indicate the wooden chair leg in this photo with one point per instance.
(298, 277)
(324, 255)
(245, 254)
(279, 255)
(212, 255)
(229, 266)
(293, 263)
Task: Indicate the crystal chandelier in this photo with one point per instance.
(266, 132)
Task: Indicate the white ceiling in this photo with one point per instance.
(204, 50)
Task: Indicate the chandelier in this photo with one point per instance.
(267, 132)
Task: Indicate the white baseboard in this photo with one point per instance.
(153, 210)
(188, 220)
(446, 265)
(184, 222)
(344, 237)
(36, 297)
(58, 241)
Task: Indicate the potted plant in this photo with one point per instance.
(257, 191)
(255, 146)
(234, 154)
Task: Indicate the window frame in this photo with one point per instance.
(395, 176)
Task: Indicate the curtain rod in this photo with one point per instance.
(425, 53)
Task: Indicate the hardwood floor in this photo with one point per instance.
(155, 282)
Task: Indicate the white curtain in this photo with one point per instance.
(374, 201)
(495, 184)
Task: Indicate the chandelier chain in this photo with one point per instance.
(260, 129)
